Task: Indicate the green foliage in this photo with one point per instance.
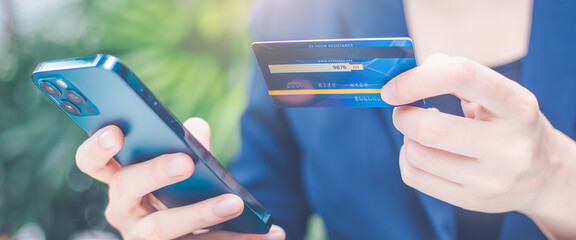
(193, 54)
(37, 145)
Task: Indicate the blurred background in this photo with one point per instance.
(193, 54)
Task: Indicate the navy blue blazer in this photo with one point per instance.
(342, 163)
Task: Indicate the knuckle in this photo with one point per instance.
(413, 152)
(409, 175)
(463, 70)
(528, 107)
(152, 230)
(111, 216)
(531, 100)
(426, 130)
(403, 91)
(202, 219)
(147, 228)
(158, 172)
(115, 187)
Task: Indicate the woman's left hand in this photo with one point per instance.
(503, 156)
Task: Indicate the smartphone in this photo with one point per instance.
(97, 91)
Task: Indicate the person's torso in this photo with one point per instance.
(350, 155)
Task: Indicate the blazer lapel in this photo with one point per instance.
(386, 19)
(550, 67)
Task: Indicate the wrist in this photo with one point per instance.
(554, 206)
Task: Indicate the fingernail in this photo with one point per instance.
(273, 235)
(106, 139)
(177, 165)
(228, 206)
(388, 92)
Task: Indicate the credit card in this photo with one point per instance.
(333, 72)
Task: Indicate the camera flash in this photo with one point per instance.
(61, 83)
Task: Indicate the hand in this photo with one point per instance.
(504, 155)
(136, 213)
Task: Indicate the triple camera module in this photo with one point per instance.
(69, 99)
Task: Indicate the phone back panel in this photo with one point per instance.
(117, 97)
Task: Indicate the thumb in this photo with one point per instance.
(200, 129)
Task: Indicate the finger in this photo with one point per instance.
(94, 156)
(175, 222)
(469, 108)
(151, 203)
(452, 167)
(276, 233)
(474, 111)
(200, 129)
(131, 183)
(427, 183)
(458, 76)
(443, 131)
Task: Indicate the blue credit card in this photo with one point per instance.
(333, 72)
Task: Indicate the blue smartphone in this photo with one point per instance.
(99, 90)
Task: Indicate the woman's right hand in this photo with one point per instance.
(136, 213)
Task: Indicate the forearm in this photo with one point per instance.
(554, 210)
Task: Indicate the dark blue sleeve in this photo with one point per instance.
(268, 164)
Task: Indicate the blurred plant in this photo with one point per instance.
(193, 54)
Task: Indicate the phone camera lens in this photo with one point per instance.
(75, 97)
(70, 108)
(50, 89)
